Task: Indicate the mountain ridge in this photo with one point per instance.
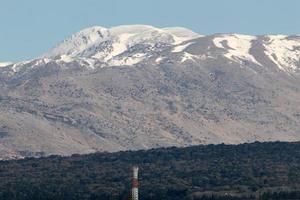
(145, 90)
(281, 50)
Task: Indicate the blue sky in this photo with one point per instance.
(29, 28)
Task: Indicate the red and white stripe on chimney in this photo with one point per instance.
(135, 183)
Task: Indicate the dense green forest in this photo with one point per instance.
(265, 171)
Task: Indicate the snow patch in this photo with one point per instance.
(17, 66)
(90, 62)
(120, 46)
(238, 47)
(66, 58)
(283, 51)
(187, 56)
(128, 61)
(4, 64)
(180, 48)
(159, 59)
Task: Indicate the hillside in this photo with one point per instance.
(140, 87)
(265, 171)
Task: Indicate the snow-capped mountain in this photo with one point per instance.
(122, 45)
(139, 87)
(131, 44)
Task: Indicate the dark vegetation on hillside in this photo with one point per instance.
(215, 172)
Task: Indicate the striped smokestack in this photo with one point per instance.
(135, 183)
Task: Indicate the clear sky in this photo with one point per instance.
(29, 28)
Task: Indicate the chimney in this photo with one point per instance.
(135, 183)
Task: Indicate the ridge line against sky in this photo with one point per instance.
(32, 27)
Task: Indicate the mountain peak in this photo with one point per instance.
(79, 41)
(128, 45)
(97, 39)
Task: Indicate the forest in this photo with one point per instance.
(262, 171)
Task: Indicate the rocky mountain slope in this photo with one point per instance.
(140, 87)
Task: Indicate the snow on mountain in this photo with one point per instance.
(186, 89)
(182, 33)
(182, 47)
(237, 46)
(187, 56)
(4, 64)
(78, 42)
(108, 45)
(284, 51)
(128, 45)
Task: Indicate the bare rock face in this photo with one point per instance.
(140, 87)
